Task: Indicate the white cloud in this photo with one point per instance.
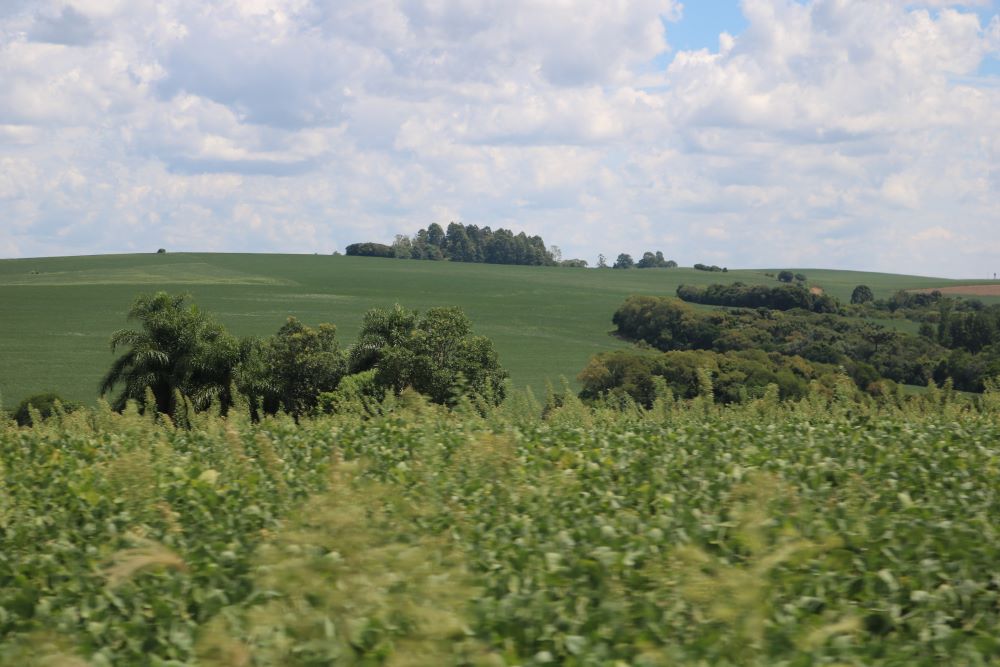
(829, 132)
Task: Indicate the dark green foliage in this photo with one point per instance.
(736, 376)
(574, 263)
(800, 277)
(298, 364)
(786, 276)
(182, 354)
(655, 261)
(862, 294)
(624, 261)
(468, 243)
(161, 251)
(178, 349)
(973, 331)
(369, 250)
(782, 297)
(45, 403)
(435, 354)
(380, 329)
(669, 324)
(711, 268)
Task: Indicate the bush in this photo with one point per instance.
(45, 403)
(782, 297)
(161, 251)
(370, 250)
(862, 294)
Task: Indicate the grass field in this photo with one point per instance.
(56, 314)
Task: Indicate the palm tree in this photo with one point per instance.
(178, 349)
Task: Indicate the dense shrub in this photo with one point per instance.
(45, 403)
(783, 297)
(736, 376)
(712, 268)
(369, 250)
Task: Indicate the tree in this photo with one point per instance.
(435, 235)
(458, 246)
(624, 261)
(862, 294)
(178, 349)
(299, 363)
(402, 247)
(161, 251)
(800, 277)
(647, 261)
(380, 329)
(602, 262)
(786, 276)
(437, 354)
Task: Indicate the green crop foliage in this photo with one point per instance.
(822, 532)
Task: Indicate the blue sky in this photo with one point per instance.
(858, 134)
(701, 23)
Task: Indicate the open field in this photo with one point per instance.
(56, 314)
(977, 290)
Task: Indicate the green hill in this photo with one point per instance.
(56, 314)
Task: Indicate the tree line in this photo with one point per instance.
(180, 358)
(869, 352)
(741, 295)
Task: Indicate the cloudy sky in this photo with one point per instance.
(814, 133)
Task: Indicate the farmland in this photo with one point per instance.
(58, 313)
(826, 531)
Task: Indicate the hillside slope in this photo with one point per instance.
(57, 313)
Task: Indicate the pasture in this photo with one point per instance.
(56, 314)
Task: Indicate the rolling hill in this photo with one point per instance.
(56, 314)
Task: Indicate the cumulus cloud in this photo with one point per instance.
(829, 132)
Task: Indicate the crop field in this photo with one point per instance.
(56, 314)
(825, 532)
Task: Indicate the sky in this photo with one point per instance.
(855, 134)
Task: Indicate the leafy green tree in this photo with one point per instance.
(436, 354)
(624, 261)
(800, 277)
(602, 262)
(862, 294)
(435, 235)
(299, 363)
(786, 276)
(177, 349)
(380, 329)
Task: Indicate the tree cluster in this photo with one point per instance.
(180, 359)
(464, 243)
(868, 351)
(736, 375)
(782, 297)
(369, 250)
(787, 276)
(713, 268)
(649, 260)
